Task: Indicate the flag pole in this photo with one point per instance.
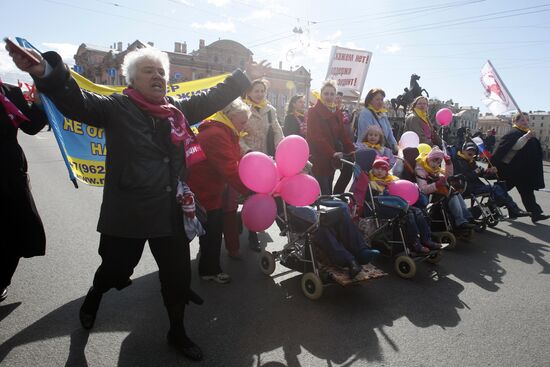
(504, 86)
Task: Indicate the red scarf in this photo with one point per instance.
(14, 114)
(180, 130)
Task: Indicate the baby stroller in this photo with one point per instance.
(484, 208)
(301, 254)
(482, 205)
(382, 220)
(443, 229)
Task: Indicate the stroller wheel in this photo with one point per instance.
(312, 286)
(434, 258)
(491, 222)
(445, 237)
(405, 267)
(267, 262)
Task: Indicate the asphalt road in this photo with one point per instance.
(487, 303)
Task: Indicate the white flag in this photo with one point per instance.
(496, 97)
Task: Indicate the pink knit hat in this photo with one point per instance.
(436, 153)
(381, 162)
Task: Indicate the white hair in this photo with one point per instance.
(132, 59)
(235, 107)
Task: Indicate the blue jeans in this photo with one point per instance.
(343, 242)
(416, 226)
(459, 210)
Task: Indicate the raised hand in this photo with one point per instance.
(25, 64)
(256, 71)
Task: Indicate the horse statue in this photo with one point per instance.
(410, 94)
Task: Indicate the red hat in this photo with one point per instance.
(381, 162)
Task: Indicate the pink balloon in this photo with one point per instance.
(406, 190)
(259, 212)
(279, 175)
(300, 190)
(258, 172)
(444, 116)
(409, 139)
(291, 155)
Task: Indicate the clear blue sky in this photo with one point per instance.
(445, 42)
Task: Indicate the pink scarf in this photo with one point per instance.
(14, 114)
(180, 130)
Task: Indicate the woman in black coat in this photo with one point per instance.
(147, 139)
(518, 158)
(294, 119)
(22, 228)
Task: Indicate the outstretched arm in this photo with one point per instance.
(53, 78)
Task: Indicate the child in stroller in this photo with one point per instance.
(324, 244)
(417, 229)
(398, 229)
(431, 179)
(465, 164)
(374, 139)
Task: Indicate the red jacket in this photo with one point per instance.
(326, 135)
(221, 167)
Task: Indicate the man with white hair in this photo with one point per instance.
(150, 147)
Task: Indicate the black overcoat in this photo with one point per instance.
(142, 165)
(525, 169)
(21, 226)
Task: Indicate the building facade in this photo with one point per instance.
(539, 123)
(102, 65)
(501, 124)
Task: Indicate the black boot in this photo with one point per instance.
(179, 340)
(177, 336)
(254, 242)
(537, 217)
(89, 308)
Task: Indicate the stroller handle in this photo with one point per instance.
(343, 197)
(347, 162)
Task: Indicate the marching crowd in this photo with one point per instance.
(156, 177)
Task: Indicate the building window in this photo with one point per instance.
(229, 60)
(216, 59)
(541, 124)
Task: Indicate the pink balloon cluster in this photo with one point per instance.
(260, 174)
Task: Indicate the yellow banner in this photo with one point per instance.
(84, 146)
(177, 90)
